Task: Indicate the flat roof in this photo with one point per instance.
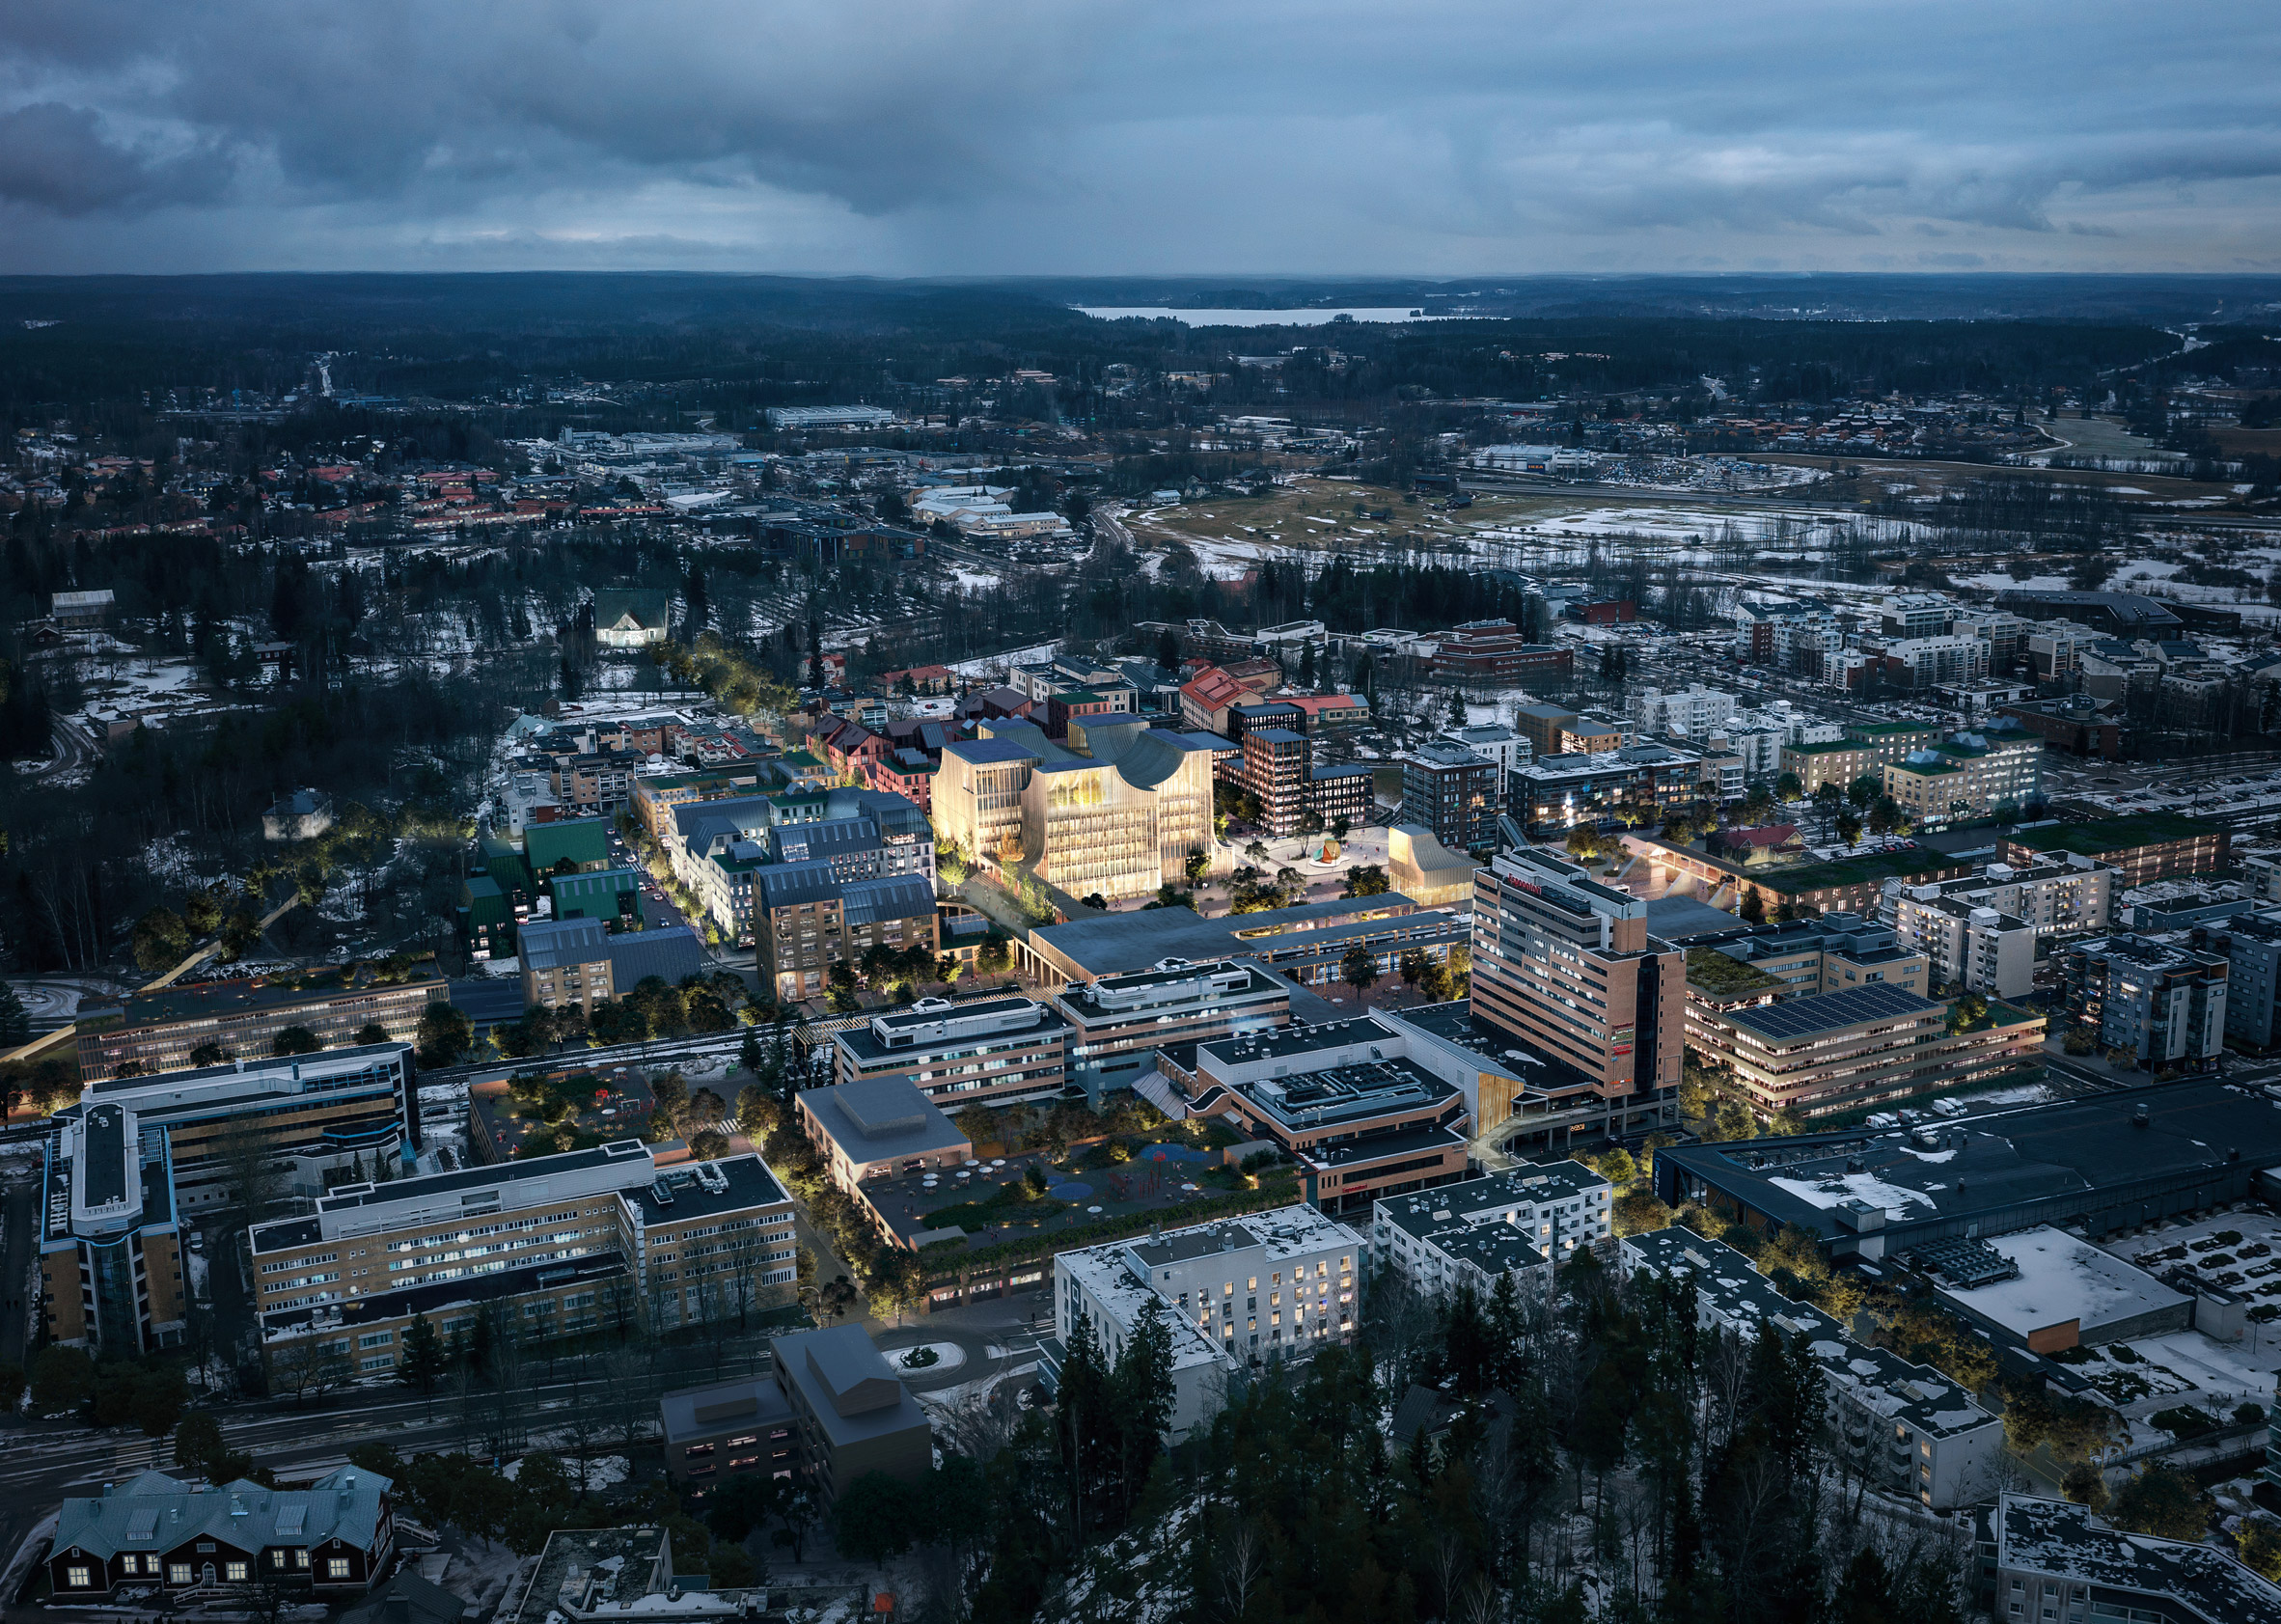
(1804, 1017)
(2073, 1150)
(516, 1171)
(2062, 1278)
(260, 993)
(881, 1118)
(1106, 944)
(2068, 1542)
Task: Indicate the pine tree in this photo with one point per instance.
(16, 1022)
(425, 1357)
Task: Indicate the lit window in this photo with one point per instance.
(80, 1577)
(235, 1571)
(177, 1573)
(336, 1567)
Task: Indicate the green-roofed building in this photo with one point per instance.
(486, 919)
(582, 842)
(2146, 848)
(596, 893)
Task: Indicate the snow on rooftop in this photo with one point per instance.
(1837, 1188)
(2062, 1278)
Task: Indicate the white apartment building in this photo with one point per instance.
(1495, 742)
(1908, 1429)
(1989, 952)
(1521, 1223)
(1259, 1288)
(1934, 662)
(1693, 712)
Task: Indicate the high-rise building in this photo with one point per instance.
(1277, 770)
(1565, 965)
(1453, 792)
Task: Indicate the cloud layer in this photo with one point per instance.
(954, 136)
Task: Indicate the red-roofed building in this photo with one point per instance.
(1327, 711)
(924, 679)
(1206, 699)
(1761, 843)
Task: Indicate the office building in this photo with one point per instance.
(877, 1130)
(110, 1242)
(314, 1113)
(1796, 958)
(1448, 789)
(830, 1410)
(1121, 827)
(1565, 967)
(2040, 1560)
(1494, 654)
(1870, 1045)
(1345, 790)
(560, 1244)
(178, 1028)
(1968, 776)
(2162, 1005)
(2096, 1165)
(159, 1535)
(1306, 943)
(991, 1050)
(1252, 1290)
(1343, 1100)
(1117, 1023)
(1522, 1223)
(1906, 1428)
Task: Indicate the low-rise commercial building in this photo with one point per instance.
(1119, 1022)
(993, 1051)
(1522, 1224)
(2160, 1004)
(830, 1411)
(1906, 1427)
(877, 1128)
(1345, 1102)
(1262, 1288)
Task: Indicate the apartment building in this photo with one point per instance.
(1906, 1427)
(2161, 1004)
(1565, 966)
(1452, 791)
(1692, 713)
(2143, 848)
(1870, 1045)
(581, 961)
(1632, 784)
(1277, 765)
(1258, 1289)
(657, 794)
(2249, 940)
(314, 1114)
(805, 919)
(178, 1028)
(1117, 1023)
(561, 1244)
(1864, 748)
(1967, 776)
(1344, 1101)
(995, 1051)
(2037, 1561)
(1522, 1224)
(1967, 941)
(1494, 742)
(110, 1243)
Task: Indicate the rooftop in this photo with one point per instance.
(1787, 1022)
(2063, 1278)
(881, 1118)
(2066, 1541)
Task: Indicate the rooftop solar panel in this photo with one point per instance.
(1801, 1017)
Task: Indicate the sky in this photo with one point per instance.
(944, 137)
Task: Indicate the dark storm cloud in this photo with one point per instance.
(955, 135)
